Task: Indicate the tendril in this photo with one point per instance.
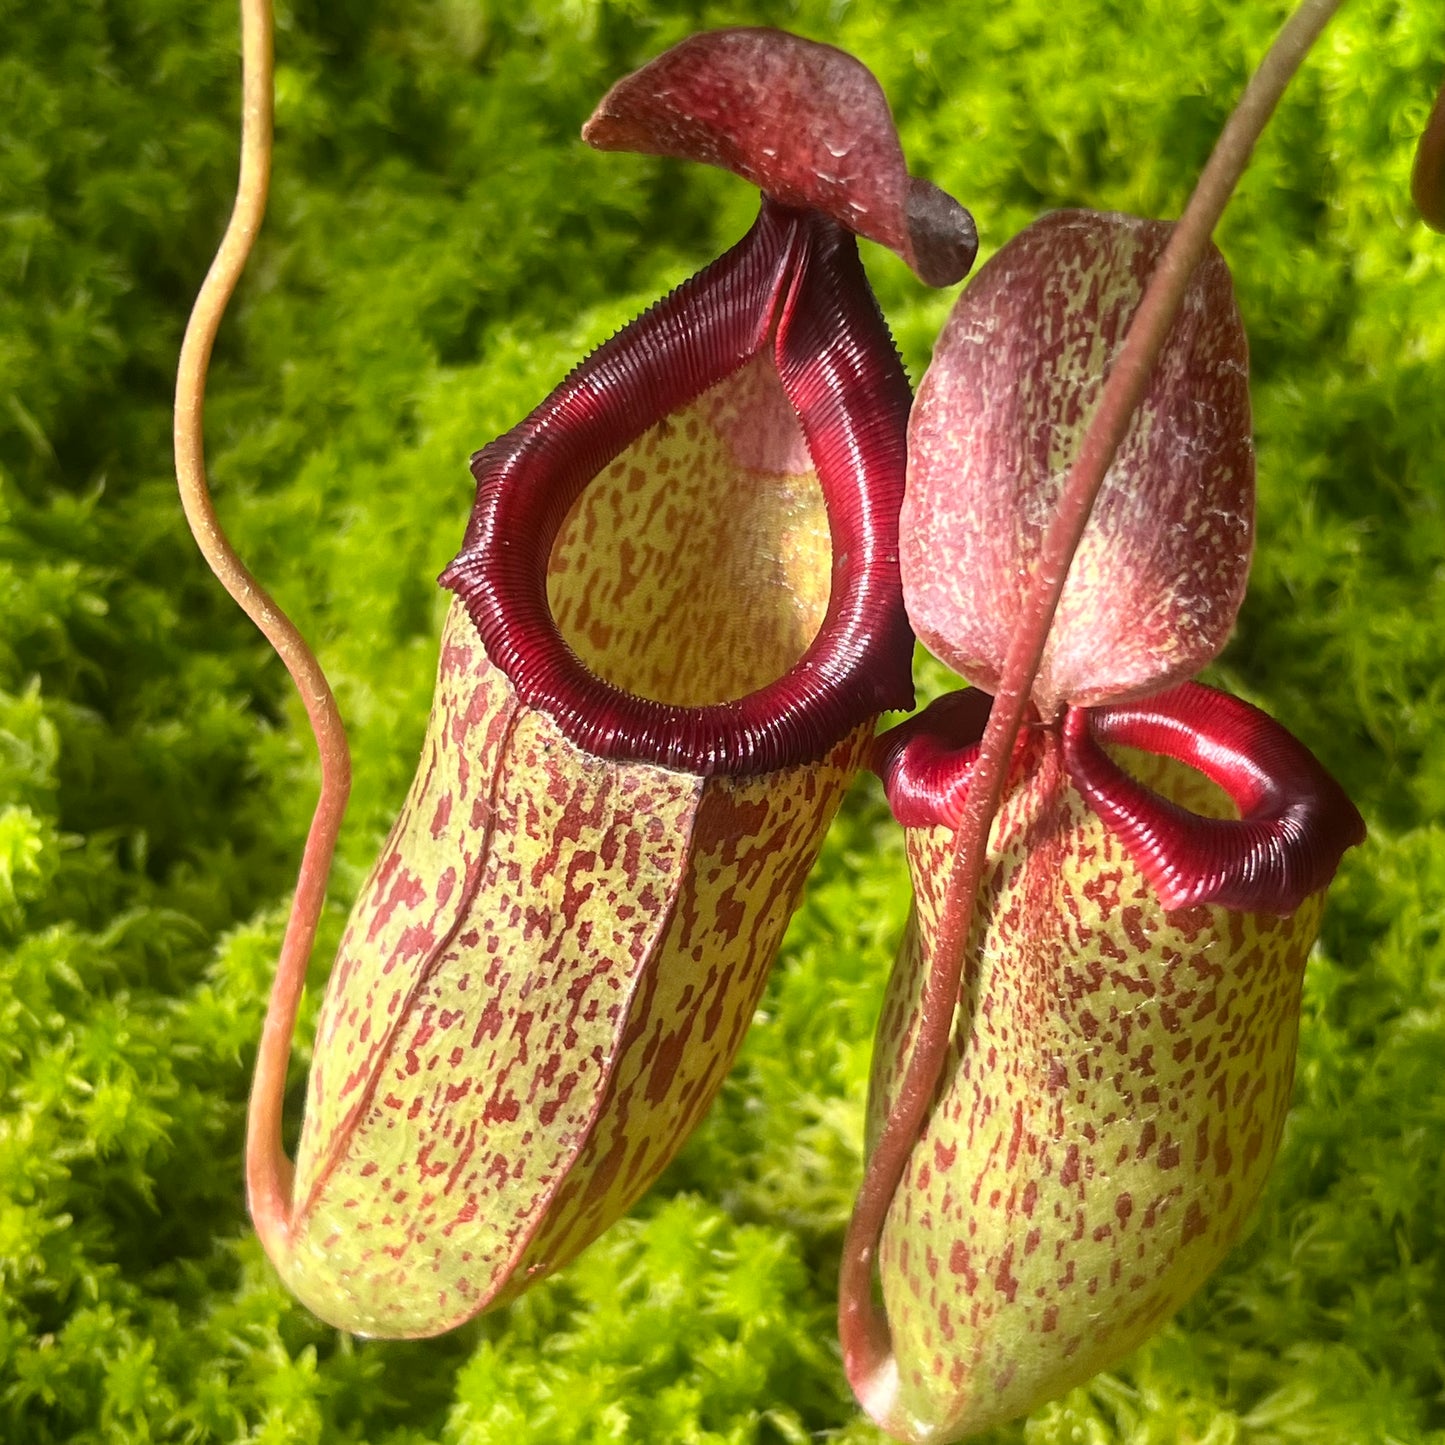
(268, 1171)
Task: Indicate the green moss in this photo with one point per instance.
(440, 248)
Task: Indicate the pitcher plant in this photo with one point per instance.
(687, 591)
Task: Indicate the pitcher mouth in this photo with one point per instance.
(790, 299)
(1279, 837)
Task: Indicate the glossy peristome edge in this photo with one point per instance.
(794, 285)
(804, 122)
(925, 763)
(1294, 823)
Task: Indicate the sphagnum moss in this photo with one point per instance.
(421, 283)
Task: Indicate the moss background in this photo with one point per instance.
(440, 248)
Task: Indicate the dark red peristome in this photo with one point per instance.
(794, 281)
(1295, 821)
(925, 763)
(805, 123)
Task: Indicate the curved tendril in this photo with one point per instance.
(862, 1326)
(268, 1171)
(1427, 181)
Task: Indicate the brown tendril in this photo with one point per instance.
(862, 1325)
(268, 1171)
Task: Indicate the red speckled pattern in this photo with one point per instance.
(541, 935)
(805, 123)
(1161, 570)
(1111, 1104)
(695, 569)
(754, 843)
(475, 1005)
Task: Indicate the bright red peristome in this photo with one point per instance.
(926, 762)
(1295, 821)
(805, 123)
(794, 289)
(1161, 570)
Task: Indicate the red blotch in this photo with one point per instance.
(489, 1025)
(1004, 1278)
(664, 1065)
(1252, 1147)
(445, 884)
(959, 1263)
(442, 815)
(1069, 1173)
(548, 1111)
(1193, 1225)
